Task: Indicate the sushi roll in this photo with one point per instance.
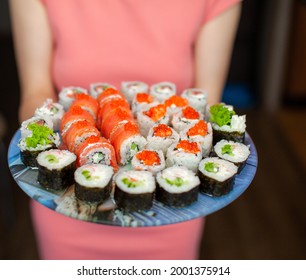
(98, 150)
(197, 98)
(134, 190)
(162, 91)
(56, 168)
(38, 121)
(200, 132)
(93, 182)
(185, 117)
(40, 138)
(234, 152)
(216, 176)
(177, 186)
(184, 153)
(148, 118)
(175, 103)
(226, 123)
(67, 95)
(95, 89)
(142, 101)
(88, 103)
(149, 160)
(108, 95)
(161, 137)
(129, 89)
(53, 110)
(127, 141)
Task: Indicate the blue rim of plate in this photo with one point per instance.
(64, 202)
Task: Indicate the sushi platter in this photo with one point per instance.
(124, 163)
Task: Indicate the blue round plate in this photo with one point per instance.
(65, 202)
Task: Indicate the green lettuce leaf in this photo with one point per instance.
(221, 115)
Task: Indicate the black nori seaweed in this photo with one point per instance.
(213, 187)
(92, 195)
(235, 136)
(133, 202)
(177, 199)
(56, 179)
(29, 157)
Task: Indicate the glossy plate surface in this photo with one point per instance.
(65, 202)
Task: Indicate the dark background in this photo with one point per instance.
(267, 82)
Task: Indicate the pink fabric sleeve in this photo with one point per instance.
(214, 8)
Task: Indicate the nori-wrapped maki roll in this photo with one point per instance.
(93, 182)
(177, 186)
(216, 176)
(234, 152)
(56, 169)
(37, 138)
(226, 123)
(134, 190)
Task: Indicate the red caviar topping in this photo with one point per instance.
(156, 112)
(162, 130)
(148, 157)
(200, 128)
(177, 101)
(144, 98)
(190, 113)
(190, 147)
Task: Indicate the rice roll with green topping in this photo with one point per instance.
(234, 152)
(93, 182)
(216, 176)
(56, 169)
(177, 186)
(226, 123)
(40, 138)
(134, 190)
(26, 128)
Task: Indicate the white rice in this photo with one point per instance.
(188, 179)
(93, 175)
(129, 89)
(223, 169)
(55, 111)
(44, 120)
(179, 122)
(55, 142)
(145, 181)
(238, 124)
(163, 90)
(67, 95)
(56, 159)
(240, 151)
(197, 98)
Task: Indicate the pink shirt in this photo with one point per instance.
(114, 41)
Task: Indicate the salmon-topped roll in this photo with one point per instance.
(78, 132)
(87, 103)
(98, 150)
(109, 94)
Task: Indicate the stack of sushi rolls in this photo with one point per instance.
(37, 136)
(134, 190)
(142, 101)
(67, 95)
(149, 160)
(185, 117)
(226, 123)
(184, 153)
(96, 88)
(53, 110)
(197, 98)
(200, 132)
(177, 186)
(217, 176)
(161, 137)
(234, 152)
(163, 90)
(130, 88)
(93, 182)
(148, 118)
(56, 169)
